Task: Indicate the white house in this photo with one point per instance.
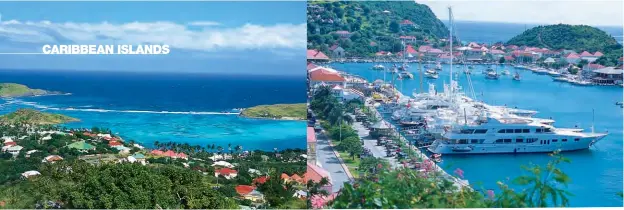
(228, 173)
(29, 174)
(14, 150)
(573, 58)
(337, 51)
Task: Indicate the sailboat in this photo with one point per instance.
(516, 76)
(378, 67)
(438, 67)
(505, 72)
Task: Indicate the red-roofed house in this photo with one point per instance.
(433, 52)
(10, 143)
(424, 48)
(326, 75)
(317, 55)
(497, 53)
(310, 66)
(573, 58)
(588, 69)
(311, 141)
(114, 143)
(408, 39)
(445, 58)
(249, 193)
(598, 54)
(316, 174)
(410, 50)
(590, 57)
(157, 153)
(260, 180)
(181, 156)
(226, 172)
(406, 22)
(509, 58)
(474, 45)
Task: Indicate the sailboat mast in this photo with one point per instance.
(451, 45)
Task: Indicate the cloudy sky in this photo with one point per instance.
(588, 12)
(204, 36)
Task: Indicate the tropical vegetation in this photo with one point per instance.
(17, 90)
(31, 116)
(572, 37)
(373, 25)
(277, 111)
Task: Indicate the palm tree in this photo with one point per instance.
(238, 149)
(220, 149)
(157, 144)
(230, 148)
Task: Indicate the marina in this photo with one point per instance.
(551, 101)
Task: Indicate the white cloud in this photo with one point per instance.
(594, 13)
(204, 23)
(248, 36)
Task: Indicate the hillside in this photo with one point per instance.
(277, 111)
(373, 25)
(31, 116)
(17, 90)
(574, 37)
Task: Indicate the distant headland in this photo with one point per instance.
(34, 117)
(19, 90)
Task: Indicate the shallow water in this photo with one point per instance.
(148, 107)
(596, 173)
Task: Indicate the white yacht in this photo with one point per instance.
(378, 67)
(509, 134)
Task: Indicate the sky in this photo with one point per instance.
(233, 37)
(575, 12)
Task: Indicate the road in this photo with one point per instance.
(370, 143)
(328, 160)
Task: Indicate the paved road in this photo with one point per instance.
(328, 160)
(370, 143)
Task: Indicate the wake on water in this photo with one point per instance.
(42, 107)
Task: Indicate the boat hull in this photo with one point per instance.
(512, 148)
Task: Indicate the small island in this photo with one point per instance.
(31, 116)
(19, 90)
(277, 111)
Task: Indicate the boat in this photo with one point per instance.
(491, 75)
(511, 134)
(467, 71)
(438, 67)
(505, 72)
(431, 76)
(378, 67)
(516, 76)
(619, 103)
(406, 75)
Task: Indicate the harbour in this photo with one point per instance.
(551, 100)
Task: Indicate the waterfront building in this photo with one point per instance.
(325, 76)
(573, 58)
(608, 76)
(337, 51)
(316, 56)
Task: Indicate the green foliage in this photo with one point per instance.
(294, 111)
(573, 37)
(501, 60)
(31, 116)
(352, 145)
(409, 189)
(368, 23)
(17, 90)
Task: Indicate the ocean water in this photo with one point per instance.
(596, 173)
(179, 107)
(492, 32)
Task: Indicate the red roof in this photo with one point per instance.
(434, 50)
(497, 52)
(311, 135)
(170, 153)
(316, 55)
(409, 49)
(297, 178)
(424, 48)
(11, 143)
(333, 47)
(311, 66)
(114, 143)
(508, 58)
(157, 152)
(325, 75)
(598, 54)
(407, 22)
(585, 53)
(181, 155)
(315, 173)
(284, 176)
(572, 55)
(226, 171)
(621, 58)
(244, 189)
(260, 180)
(594, 66)
(444, 56)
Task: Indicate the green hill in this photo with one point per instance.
(572, 37)
(17, 90)
(278, 111)
(31, 116)
(370, 21)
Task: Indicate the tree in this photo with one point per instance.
(353, 146)
(501, 60)
(394, 27)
